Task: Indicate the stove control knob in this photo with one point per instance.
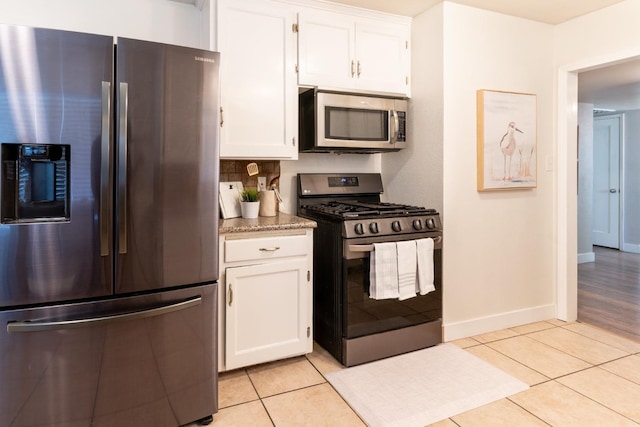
(359, 229)
(373, 227)
(417, 224)
(395, 226)
(430, 223)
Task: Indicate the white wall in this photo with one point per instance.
(585, 186)
(155, 20)
(320, 163)
(414, 175)
(598, 39)
(631, 181)
(499, 246)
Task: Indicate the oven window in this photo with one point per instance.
(367, 316)
(353, 124)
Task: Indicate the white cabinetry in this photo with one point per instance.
(266, 302)
(259, 94)
(341, 51)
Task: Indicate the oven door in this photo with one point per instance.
(365, 315)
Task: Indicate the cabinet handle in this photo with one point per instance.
(359, 69)
(273, 249)
(230, 295)
(353, 69)
(221, 116)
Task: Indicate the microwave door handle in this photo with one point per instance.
(396, 126)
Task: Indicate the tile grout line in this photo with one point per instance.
(334, 389)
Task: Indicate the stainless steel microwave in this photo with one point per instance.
(346, 122)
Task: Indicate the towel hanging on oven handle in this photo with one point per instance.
(370, 248)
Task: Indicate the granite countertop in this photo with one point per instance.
(281, 221)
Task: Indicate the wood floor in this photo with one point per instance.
(609, 292)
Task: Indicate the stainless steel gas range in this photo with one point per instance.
(349, 322)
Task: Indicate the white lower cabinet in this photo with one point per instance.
(266, 308)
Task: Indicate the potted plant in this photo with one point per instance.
(249, 202)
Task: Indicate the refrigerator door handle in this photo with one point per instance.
(105, 217)
(44, 325)
(122, 168)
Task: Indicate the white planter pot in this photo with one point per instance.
(250, 209)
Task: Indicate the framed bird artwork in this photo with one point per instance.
(507, 140)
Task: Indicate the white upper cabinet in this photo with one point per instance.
(259, 94)
(326, 49)
(345, 52)
(383, 58)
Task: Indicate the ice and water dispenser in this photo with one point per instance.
(35, 183)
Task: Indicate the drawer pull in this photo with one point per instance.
(272, 249)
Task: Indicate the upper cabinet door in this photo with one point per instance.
(343, 52)
(326, 49)
(383, 60)
(259, 97)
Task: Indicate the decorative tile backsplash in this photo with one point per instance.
(236, 170)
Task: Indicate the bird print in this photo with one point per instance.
(508, 147)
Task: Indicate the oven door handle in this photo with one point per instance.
(361, 248)
(371, 248)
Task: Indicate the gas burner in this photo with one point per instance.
(355, 209)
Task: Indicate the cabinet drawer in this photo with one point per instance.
(264, 248)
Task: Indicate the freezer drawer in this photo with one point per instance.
(143, 360)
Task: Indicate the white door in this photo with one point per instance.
(268, 312)
(606, 181)
(259, 91)
(382, 52)
(326, 50)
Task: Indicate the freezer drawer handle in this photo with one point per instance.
(38, 326)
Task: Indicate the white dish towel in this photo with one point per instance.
(424, 284)
(406, 269)
(383, 274)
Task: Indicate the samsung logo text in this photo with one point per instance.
(202, 59)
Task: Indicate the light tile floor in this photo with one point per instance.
(578, 375)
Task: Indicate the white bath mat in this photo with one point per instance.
(422, 387)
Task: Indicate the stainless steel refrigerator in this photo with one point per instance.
(108, 230)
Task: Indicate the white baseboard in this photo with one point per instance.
(586, 257)
(629, 247)
(482, 325)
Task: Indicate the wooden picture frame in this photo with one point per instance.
(507, 147)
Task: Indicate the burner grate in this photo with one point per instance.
(354, 209)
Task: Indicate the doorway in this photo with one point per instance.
(567, 209)
(607, 142)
